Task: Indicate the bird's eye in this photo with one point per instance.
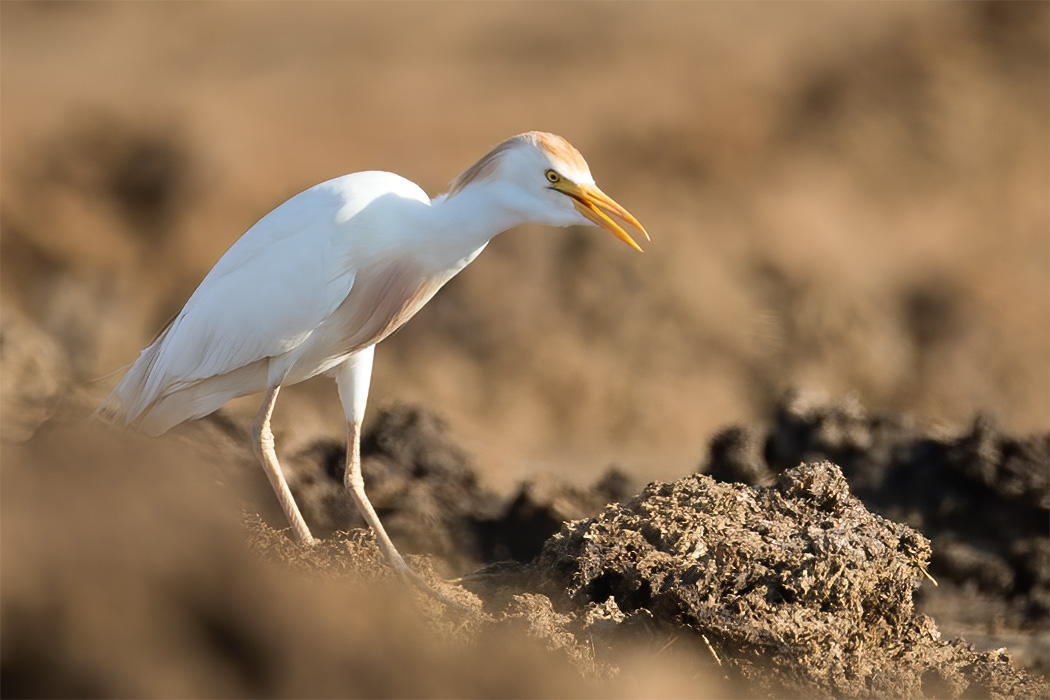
(553, 177)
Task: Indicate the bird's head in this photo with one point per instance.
(551, 182)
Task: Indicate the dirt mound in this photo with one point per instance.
(798, 589)
(982, 497)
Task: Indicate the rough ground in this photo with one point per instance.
(798, 586)
(982, 497)
(696, 587)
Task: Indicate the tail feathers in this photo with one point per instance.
(130, 398)
(142, 385)
(155, 412)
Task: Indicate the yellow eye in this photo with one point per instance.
(553, 177)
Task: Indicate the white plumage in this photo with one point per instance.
(317, 282)
(267, 304)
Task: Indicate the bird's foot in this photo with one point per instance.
(304, 537)
(409, 575)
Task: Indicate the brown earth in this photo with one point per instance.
(143, 585)
(850, 198)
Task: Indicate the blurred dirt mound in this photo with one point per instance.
(982, 497)
(42, 370)
(125, 573)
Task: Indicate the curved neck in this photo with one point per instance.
(473, 216)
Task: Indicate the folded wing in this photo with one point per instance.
(304, 287)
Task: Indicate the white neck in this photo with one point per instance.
(462, 224)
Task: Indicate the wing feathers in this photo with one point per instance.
(383, 298)
(314, 280)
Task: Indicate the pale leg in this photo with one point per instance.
(353, 377)
(263, 444)
(355, 484)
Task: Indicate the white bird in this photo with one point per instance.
(316, 283)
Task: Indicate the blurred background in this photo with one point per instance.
(847, 198)
(842, 197)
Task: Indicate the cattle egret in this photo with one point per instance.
(316, 283)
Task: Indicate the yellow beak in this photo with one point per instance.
(591, 202)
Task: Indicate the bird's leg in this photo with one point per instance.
(263, 444)
(353, 377)
(355, 484)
